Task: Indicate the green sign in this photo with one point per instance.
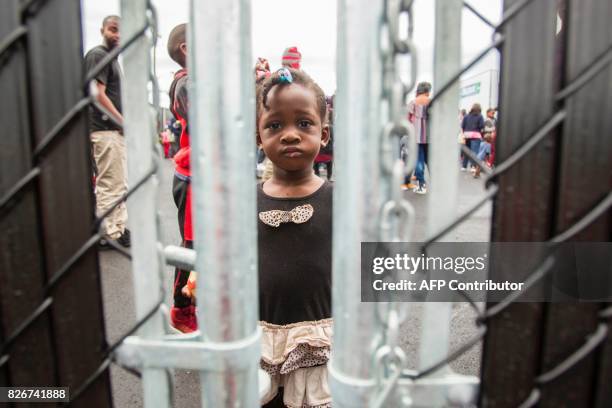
(472, 89)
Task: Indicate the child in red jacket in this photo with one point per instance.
(182, 314)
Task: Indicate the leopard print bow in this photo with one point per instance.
(298, 215)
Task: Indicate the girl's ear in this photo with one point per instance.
(258, 139)
(325, 135)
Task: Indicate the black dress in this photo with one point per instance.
(295, 294)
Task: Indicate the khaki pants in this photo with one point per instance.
(111, 179)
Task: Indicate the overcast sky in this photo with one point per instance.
(276, 26)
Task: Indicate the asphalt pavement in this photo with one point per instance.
(476, 228)
(119, 309)
(118, 293)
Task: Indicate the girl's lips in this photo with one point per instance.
(292, 152)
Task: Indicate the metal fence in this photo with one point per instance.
(524, 362)
(533, 353)
(52, 304)
(51, 307)
(557, 354)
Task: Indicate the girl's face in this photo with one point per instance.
(291, 131)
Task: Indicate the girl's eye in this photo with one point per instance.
(274, 126)
(304, 123)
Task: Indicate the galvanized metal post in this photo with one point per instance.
(443, 165)
(357, 197)
(222, 129)
(138, 127)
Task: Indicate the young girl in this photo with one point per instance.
(294, 237)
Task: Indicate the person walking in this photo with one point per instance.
(472, 126)
(417, 115)
(491, 127)
(108, 142)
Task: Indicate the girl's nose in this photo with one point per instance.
(290, 136)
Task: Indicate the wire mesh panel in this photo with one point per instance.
(584, 179)
(51, 295)
(52, 323)
(548, 356)
(565, 326)
(21, 259)
(552, 183)
(523, 208)
(588, 116)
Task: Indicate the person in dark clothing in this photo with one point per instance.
(108, 142)
(472, 126)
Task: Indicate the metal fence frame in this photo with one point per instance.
(227, 353)
(140, 132)
(358, 96)
(221, 120)
(543, 142)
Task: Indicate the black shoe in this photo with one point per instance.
(125, 239)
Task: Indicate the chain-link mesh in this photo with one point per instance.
(483, 318)
(11, 198)
(397, 217)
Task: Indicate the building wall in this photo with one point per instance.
(482, 88)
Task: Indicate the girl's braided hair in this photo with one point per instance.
(298, 77)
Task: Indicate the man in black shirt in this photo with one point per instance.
(108, 142)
